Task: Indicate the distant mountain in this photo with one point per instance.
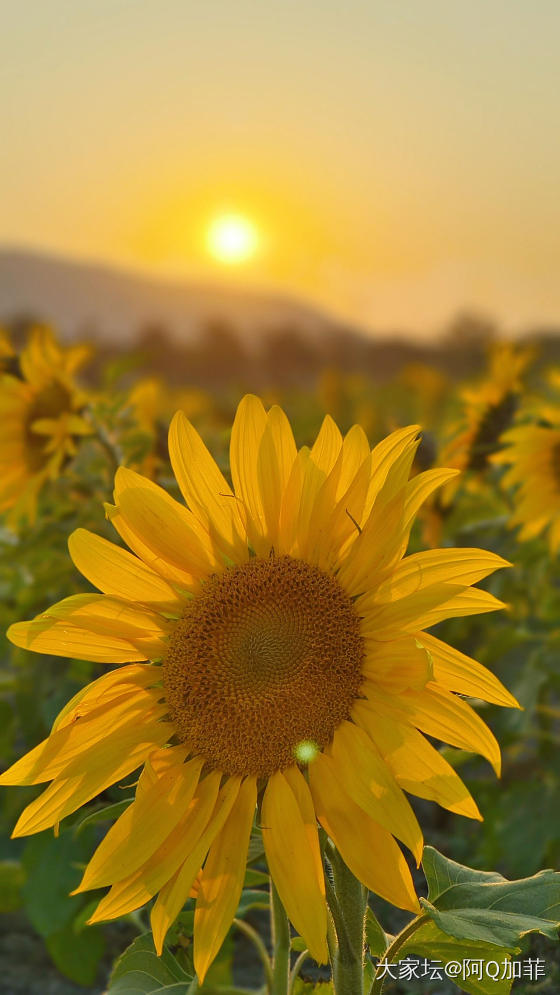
(109, 303)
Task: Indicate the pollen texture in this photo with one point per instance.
(268, 655)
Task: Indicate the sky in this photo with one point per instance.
(400, 160)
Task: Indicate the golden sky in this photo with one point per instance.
(399, 160)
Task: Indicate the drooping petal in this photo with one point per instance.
(174, 894)
(65, 795)
(392, 460)
(371, 784)
(145, 825)
(300, 788)
(109, 721)
(222, 879)
(416, 765)
(137, 889)
(369, 851)
(420, 488)
(292, 864)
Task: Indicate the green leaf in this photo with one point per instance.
(251, 899)
(139, 967)
(76, 953)
(139, 983)
(51, 874)
(298, 944)
(105, 814)
(254, 878)
(180, 989)
(441, 873)
(256, 846)
(375, 935)
(481, 905)
(431, 942)
(12, 877)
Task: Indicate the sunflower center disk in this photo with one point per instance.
(267, 657)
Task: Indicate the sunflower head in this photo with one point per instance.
(530, 453)
(290, 673)
(41, 418)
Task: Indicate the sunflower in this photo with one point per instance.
(532, 458)
(39, 418)
(290, 676)
(488, 410)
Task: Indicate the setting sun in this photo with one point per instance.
(232, 238)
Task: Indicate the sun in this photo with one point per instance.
(232, 239)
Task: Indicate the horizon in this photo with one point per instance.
(306, 316)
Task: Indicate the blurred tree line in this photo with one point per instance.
(292, 357)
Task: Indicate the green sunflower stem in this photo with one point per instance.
(348, 907)
(255, 939)
(281, 944)
(391, 952)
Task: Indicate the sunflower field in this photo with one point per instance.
(280, 690)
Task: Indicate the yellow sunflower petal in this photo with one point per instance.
(403, 663)
(457, 672)
(174, 894)
(392, 461)
(222, 879)
(106, 722)
(145, 825)
(355, 451)
(300, 788)
(371, 784)
(137, 889)
(368, 850)
(205, 488)
(437, 566)
(248, 429)
(416, 765)
(59, 638)
(295, 507)
(116, 571)
(292, 864)
(438, 713)
(378, 547)
(64, 796)
(308, 475)
(109, 616)
(275, 459)
(105, 689)
(422, 609)
(422, 486)
(327, 446)
(166, 527)
(332, 530)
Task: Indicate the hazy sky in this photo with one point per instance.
(401, 159)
